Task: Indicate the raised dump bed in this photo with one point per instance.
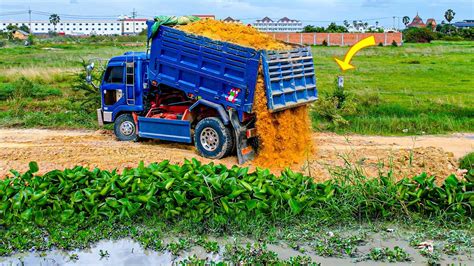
(214, 70)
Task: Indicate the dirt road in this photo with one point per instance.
(406, 156)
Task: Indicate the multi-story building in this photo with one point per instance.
(282, 25)
(83, 27)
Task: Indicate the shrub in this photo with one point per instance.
(381, 44)
(23, 88)
(467, 162)
(394, 43)
(325, 43)
(419, 35)
(452, 38)
(332, 107)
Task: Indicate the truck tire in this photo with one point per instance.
(125, 128)
(213, 139)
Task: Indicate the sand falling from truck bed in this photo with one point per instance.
(285, 136)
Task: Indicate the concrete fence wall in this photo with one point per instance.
(336, 39)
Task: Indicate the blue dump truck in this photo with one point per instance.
(192, 89)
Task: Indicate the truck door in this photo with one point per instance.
(113, 87)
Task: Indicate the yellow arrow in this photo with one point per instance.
(345, 65)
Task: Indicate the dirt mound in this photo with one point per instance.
(234, 33)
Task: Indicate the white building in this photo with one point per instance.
(83, 27)
(282, 25)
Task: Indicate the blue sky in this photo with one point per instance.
(316, 12)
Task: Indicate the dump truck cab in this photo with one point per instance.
(123, 86)
(193, 89)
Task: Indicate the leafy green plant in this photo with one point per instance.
(251, 254)
(209, 246)
(338, 246)
(176, 247)
(397, 254)
(215, 194)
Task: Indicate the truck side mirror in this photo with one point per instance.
(89, 69)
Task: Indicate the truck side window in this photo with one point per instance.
(130, 74)
(114, 74)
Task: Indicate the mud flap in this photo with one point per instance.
(245, 151)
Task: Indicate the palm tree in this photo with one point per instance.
(346, 23)
(406, 20)
(449, 15)
(54, 19)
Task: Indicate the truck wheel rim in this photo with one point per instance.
(209, 139)
(127, 128)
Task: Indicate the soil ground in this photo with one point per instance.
(405, 156)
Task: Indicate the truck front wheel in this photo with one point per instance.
(212, 138)
(125, 128)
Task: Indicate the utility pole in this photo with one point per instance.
(134, 15)
(393, 22)
(29, 14)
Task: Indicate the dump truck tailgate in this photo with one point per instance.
(289, 78)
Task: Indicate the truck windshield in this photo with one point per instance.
(114, 74)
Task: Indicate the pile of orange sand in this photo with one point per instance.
(235, 33)
(284, 137)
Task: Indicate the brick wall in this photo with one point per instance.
(336, 39)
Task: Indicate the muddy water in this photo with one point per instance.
(121, 252)
(129, 252)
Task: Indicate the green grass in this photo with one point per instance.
(420, 88)
(53, 66)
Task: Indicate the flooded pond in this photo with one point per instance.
(129, 252)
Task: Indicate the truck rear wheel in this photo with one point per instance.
(125, 128)
(213, 139)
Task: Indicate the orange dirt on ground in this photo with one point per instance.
(234, 33)
(285, 136)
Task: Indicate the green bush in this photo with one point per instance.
(467, 162)
(23, 88)
(418, 35)
(215, 193)
(334, 106)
